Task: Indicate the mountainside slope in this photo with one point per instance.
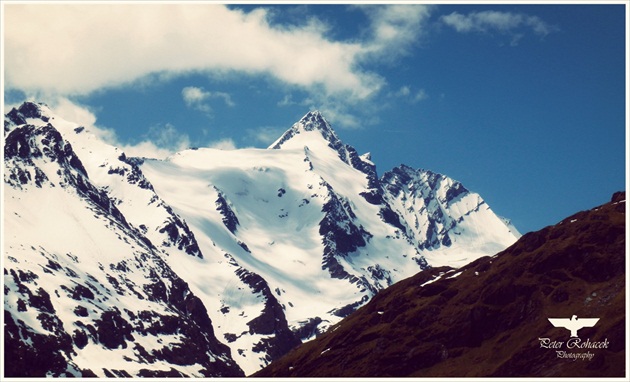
(86, 293)
(442, 217)
(490, 318)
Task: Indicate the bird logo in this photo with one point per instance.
(573, 324)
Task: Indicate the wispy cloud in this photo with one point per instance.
(81, 114)
(406, 93)
(394, 29)
(146, 149)
(196, 97)
(287, 100)
(504, 22)
(265, 134)
(160, 140)
(223, 144)
(167, 136)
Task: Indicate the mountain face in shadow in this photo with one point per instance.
(490, 318)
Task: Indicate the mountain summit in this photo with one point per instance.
(210, 262)
(312, 122)
(314, 133)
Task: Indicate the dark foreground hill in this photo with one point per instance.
(490, 318)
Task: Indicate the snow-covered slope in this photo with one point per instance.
(275, 244)
(85, 293)
(452, 225)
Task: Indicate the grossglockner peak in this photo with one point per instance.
(209, 262)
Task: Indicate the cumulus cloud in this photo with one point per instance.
(79, 48)
(76, 49)
(486, 21)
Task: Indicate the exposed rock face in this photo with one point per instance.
(166, 308)
(490, 318)
(229, 217)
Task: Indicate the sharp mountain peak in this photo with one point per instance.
(312, 121)
(18, 116)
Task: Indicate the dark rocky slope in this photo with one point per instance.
(488, 321)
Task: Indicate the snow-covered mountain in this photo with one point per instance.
(119, 265)
(85, 292)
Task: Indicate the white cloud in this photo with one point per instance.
(68, 49)
(265, 134)
(338, 116)
(71, 111)
(195, 98)
(407, 94)
(167, 136)
(394, 28)
(486, 21)
(287, 100)
(223, 144)
(193, 95)
(225, 97)
(79, 48)
(161, 140)
(420, 95)
(146, 149)
(404, 91)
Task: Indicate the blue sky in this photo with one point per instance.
(524, 104)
